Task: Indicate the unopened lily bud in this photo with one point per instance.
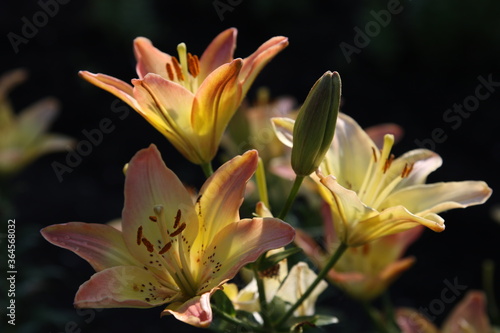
(315, 124)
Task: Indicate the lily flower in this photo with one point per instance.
(373, 194)
(469, 316)
(24, 137)
(190, 100)
(171, 250)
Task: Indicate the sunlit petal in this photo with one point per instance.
(101, 245)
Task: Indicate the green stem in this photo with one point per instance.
(489, 289)
(260, 176)
(375, 317)
(207, 169)
(236, 321)
(262, 293)
(389, 313)
(291, 196)
(321, 275)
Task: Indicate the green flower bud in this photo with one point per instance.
(315, 124)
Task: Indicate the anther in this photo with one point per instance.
(170, 72)
(374, 153)
(193, 64)
(148, 244)
(406, 170)
(177, 68)
(178, 231)
(153, 219)
(165, 248)
(177, 219)
(388, 162)
(139, 235)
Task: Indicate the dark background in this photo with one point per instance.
(426, 59)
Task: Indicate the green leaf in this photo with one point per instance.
(223, 303)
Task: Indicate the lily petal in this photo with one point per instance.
(101, 245)
(222, 194)
(411, 321)
(240, 243)
(297, 282)
(423, 163)
(196, 312)
(149, 58)
(346, 207)
(470, 315)
(391, 221)
(283, 128)
(36, 119)
(113, 85)
(154, 197)
(122, 286)
(253, 64)
(219, 52)
(350, 153)
(215, 102)
(438, 197)
(168, 100)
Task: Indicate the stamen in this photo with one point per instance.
(388, 162)
(148, 244)
(177, 219)
(178, 69)
(139, 235)
(165, 248)
(153, 219)
(374, 153)
(193, 64)
(406, 170)
(182, 51)
(170, 72)
(178, 231)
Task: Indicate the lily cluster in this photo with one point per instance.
(179, 250)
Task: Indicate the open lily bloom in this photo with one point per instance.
(190, 100)
(24, 137)
(171, 250)
(362, 272)
(469, 316)
(372, 194)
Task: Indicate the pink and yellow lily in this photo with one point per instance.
(171, 250)
(190, 100)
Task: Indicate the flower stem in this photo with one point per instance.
(291, 196)
(321, 275)
(236, 321)
(262, 293)
(260, 176)
(207, 169)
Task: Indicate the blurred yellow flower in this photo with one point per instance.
(24, 137)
